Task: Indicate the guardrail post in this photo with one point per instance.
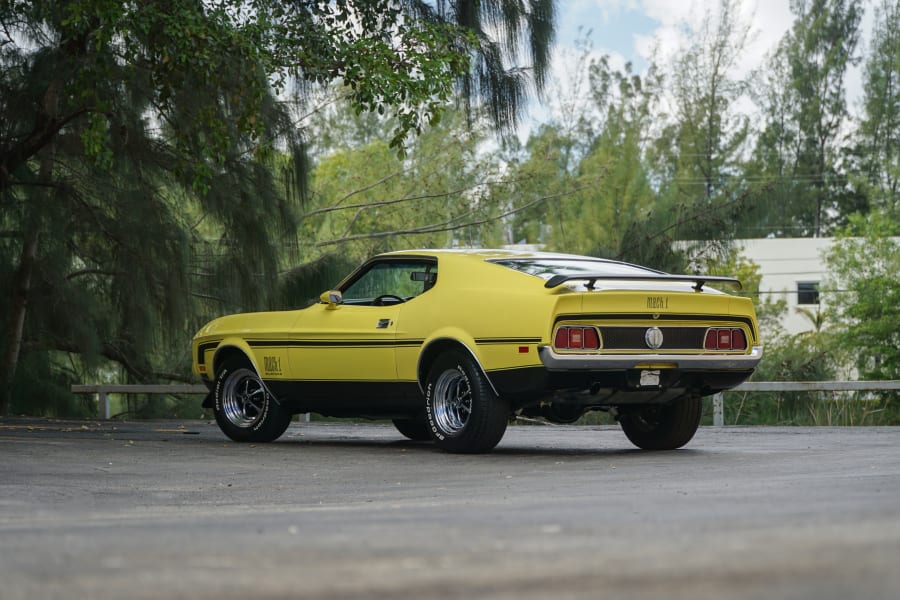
(103, 400)
(718, 402)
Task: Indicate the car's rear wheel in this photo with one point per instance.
(464, 415)
(244, 408)
(664, 426)
(415, 429)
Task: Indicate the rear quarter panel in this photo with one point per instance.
(499, 314)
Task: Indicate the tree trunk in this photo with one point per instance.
(21, 291)
(22, 280)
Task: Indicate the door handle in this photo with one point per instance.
(383, 324)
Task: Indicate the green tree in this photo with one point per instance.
(140, 187)
(540, 174)
(772, 209)
(805, 112)
(878, 137)
(364, 198)
(864, 293)
(710, 133)
(695, 156)
(99, 199)
(613, 188)
(825, 37)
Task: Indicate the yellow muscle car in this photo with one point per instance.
(451, 344)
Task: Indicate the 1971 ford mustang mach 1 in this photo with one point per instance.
(451, 344)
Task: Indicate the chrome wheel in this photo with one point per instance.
(243, 398)
(462, 411)
(244, 408)
(452, 401)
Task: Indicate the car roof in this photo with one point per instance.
(484, 254)
(490, 255)
(499, 256)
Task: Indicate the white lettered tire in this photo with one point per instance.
(244, 408)
(463, 413)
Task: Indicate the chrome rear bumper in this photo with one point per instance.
(554, 361)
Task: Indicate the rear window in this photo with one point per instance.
(545, 268)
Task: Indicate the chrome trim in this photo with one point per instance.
(554, 361)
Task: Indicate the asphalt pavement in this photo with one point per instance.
(174, 510)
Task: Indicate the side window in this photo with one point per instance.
(391, 282)
(807, 292)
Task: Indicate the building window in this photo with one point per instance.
(807, 292)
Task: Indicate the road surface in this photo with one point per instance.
(174, 510)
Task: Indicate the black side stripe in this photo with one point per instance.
(411, 343)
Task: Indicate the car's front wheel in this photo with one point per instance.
(664, 426)
(244, 408)
(464, 414)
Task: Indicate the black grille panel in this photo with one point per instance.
(632, 338)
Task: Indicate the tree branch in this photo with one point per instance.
(40, 136)
(334, 207)
(701, 212)
(448, 225)
(110, 352)
(85, 272)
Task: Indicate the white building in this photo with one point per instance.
(791, 269)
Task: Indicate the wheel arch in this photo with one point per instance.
(439, 345)
(237, 349)
(229, 348)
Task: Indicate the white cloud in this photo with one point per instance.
(639, 31)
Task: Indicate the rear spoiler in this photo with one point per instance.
(698, 280)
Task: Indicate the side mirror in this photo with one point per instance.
(332, 298)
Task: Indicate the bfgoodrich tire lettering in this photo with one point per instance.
(663, 427)
(464, 415)
(245, 410)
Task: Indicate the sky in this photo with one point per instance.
(629, 30)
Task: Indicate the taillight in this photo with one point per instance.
(576, 338)
(725, 338)
(562, 338)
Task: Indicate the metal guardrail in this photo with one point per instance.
(799, 386)
(103, 391)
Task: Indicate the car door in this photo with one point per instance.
(348, 343)
(355, 341)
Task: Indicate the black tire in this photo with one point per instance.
(464, 415)
(415, 429)
(663, 427)
(244, 408)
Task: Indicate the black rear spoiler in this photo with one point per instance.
(698, 280)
